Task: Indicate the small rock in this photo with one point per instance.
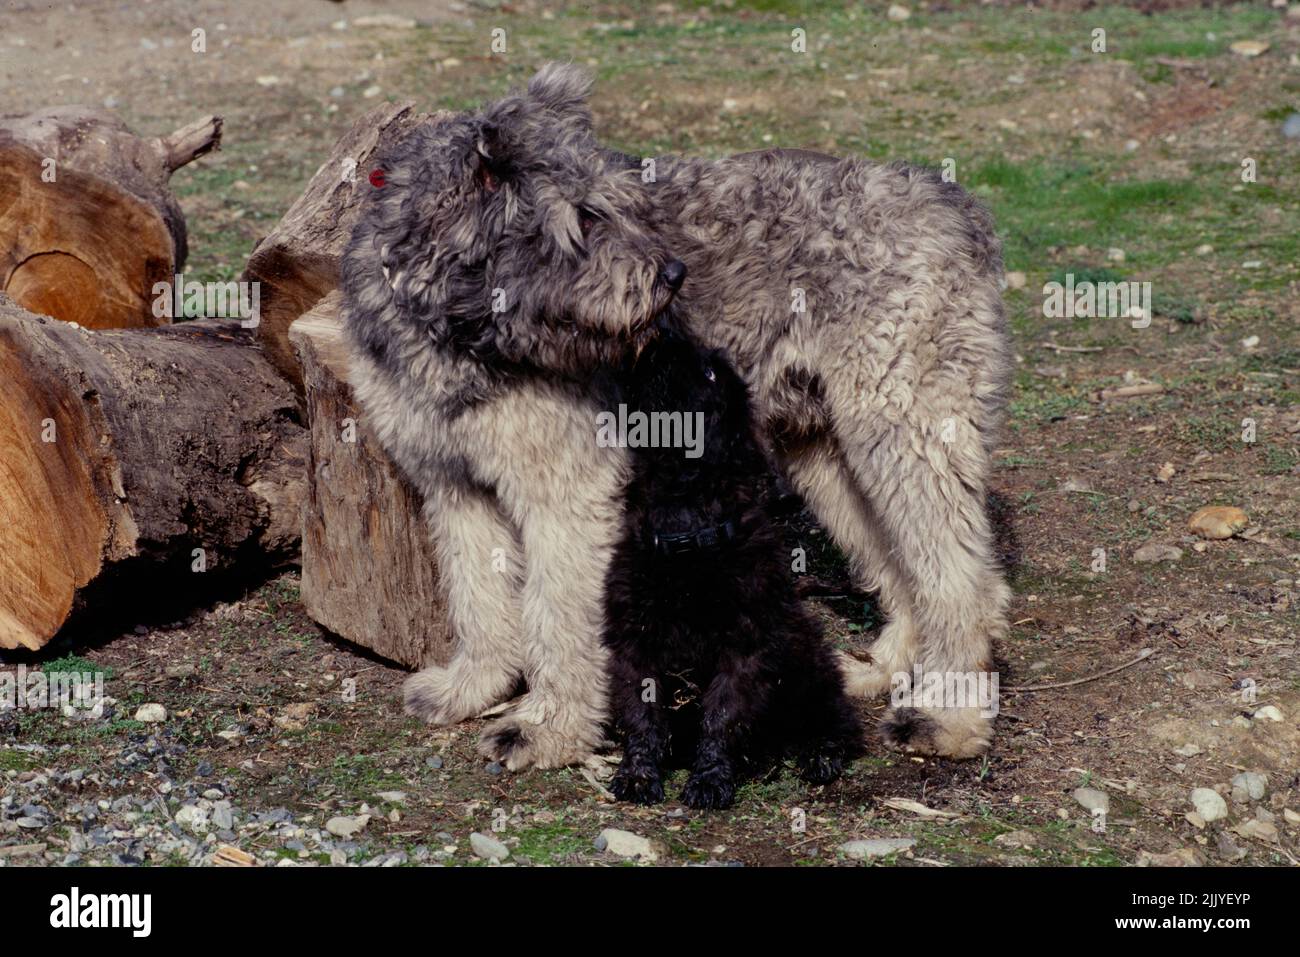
(347, 827)
(1092, 799)
(1291, 125)
(268, 80)
(1209, 804)
(898, 13)
(1290, 816)
(1157, 552)
(182, 670)
(1165, 473)
(371, 92)
(223, 815)
(865, 850)
(1204, 249)
(1249, 786)
(1218, 521)
(1258, 830)
(388, 20)
(1268, 713)
(193, 818)
(1249, 48)
(151, 713)
(1195, 820)
(1183, 857)
(1016, 280)
(434, 762)
(1188, 750)
(1016, 839)
(488, 848)
(338, 857)
(1115, 254)
(626, 844)
(392, 797)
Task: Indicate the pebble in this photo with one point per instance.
(1268, 713)
(1291, 126)
(1209, 804)
(864, 850)
(1092, 799)
(626, 844)
(434, 762)
(1249, 48)
(1249, 786)
(151, 713)
(898, 13)
(346, 827)
(1157, 552)
(1217, 522)
(223, 815)
(488, 848)
(1016, 280)
(392, 797)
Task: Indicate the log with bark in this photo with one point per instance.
(88, 222)
(297, 264)
(137, 456)
(369, 573)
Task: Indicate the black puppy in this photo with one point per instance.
(714, 662)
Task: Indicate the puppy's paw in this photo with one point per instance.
(640, 785)
(943, 732)
(821, 767)
(433, 697)
(713, 789)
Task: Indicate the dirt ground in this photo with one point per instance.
(1125, 165)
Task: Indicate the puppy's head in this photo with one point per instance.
(514, 236)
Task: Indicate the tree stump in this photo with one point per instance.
(369, 573)
(297, 264)
(88, 222)
(137, 455)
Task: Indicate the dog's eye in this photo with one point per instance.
(710, 374)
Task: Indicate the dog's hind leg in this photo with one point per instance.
(927, 488)
(481, 564)
(818, 471)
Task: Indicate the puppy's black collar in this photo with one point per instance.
(682, 543)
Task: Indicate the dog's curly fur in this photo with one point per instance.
(500, 264)
(511, 254)
(714, 661)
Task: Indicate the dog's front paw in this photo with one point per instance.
(432, 696)
(821, 767)
(518, 743)
(639, 785)
(710, 790)
(943, 732)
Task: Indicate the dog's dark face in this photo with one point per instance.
(514, 236)
(674, 375)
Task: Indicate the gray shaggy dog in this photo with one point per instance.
(510, 255)
(501, 263)
(862, 305)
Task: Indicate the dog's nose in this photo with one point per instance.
(673, 274)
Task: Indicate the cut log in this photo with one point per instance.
(369, 573)
(297, 264)
(88, 222)
(142, 454)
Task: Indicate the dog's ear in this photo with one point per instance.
(494, 157)
(563, 88)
